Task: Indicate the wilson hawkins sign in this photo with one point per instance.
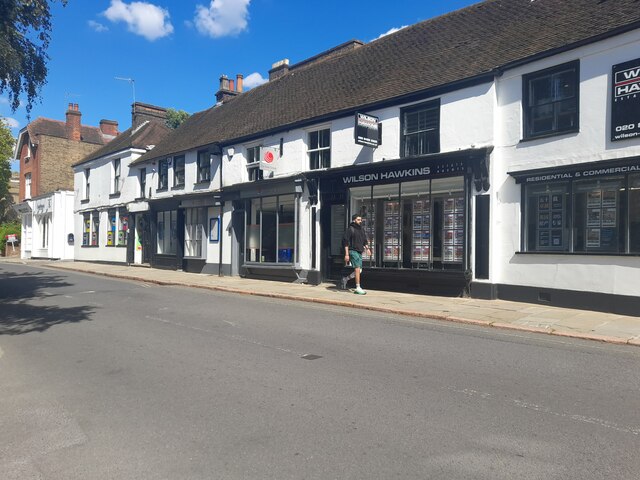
(625, 101)
(367, 130)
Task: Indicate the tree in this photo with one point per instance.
(175, 117)
(6, 152)
(25, 28)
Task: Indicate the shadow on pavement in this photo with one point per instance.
(17, 316)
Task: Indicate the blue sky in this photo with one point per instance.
(176, 50)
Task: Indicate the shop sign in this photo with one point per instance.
(42, 206)
(269, 157)
(367, 130)
(399, 173)
(625, 104)
(590, 173)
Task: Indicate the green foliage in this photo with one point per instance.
(6, 152)
(25, 29)
(9, 229)
(175, 117)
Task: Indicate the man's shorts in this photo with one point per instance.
(355, 258)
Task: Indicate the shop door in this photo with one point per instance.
(237, 223)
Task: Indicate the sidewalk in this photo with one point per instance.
(565, 322)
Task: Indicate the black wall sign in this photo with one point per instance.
(367, 130)
(625, 101)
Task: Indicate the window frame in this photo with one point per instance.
(204, 169)
(177, 181)
(87, 183)
(117, 175)
(142, 182)
(27, 185)
(435, 105)
(319, 149)
(254, 172)
(527, 79)
(163, 174)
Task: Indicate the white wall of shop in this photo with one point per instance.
(56, 211)
(610, 274)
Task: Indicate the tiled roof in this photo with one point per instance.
(150, 133)
(465, 44)
(56, 128)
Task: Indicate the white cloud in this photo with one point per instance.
(97, 26)
(222, 17)
(11, 122)
(393, 30)
(142, 18)
(254, 80)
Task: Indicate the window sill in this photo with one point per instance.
(114, 195)
(202, 183)
(178, 187)
(140, 199)
(160, 190)
(90, 246)
(550, 135)
(580, 254)
(84, 200)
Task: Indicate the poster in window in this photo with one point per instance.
(449, 205)
(459, 238)
(593, 237)
(609, 198)
(417, 222)
(417, 236)
(556, 238)
(448, 237)
(556, 202)
(426, 220)
(448, 254)
(459, 204)
(543, 220)
(594, 198)
(458, 253)
(556, 220)
(544, 238)
(417, 253)
(448, 220)
(459, 220)
(543, 202)
(417, 206)
(609, 217)
(214, 229)
(425, 252)
(594, 216)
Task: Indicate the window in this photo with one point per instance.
(319, 149)
(87, 183)
(95, 229)
(204, 166)
(167, 232)
(163, 174)
(194, 231)
(178, 171)
(44, 227)
(116, 176)
(27, 185)
(90, 229)
(111, 227)
(143, 182)
(420, 127)
(123, 227)
(551, 101)
(253, 164)
(270, 236)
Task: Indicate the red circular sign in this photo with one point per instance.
(268, 157)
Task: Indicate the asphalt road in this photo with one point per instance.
(107, 379)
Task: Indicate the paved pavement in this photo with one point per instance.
(604, 327)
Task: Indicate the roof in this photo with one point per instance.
(470, 43)
(149, 133)
(56, 128)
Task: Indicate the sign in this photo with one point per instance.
(269, 157)
(367, 130)
(625, 101)
(387, 174)
(580, 174)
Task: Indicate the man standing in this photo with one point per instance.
(354, 242)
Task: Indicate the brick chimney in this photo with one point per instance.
(239, 85)
(228, 89)
(109, 128)
(74, 125)
(142, 112)
(279, 69)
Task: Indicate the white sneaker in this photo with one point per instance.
(359, 291)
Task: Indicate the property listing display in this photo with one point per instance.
(453, 229)
(550, 219)
(368, 213)
(391, 235)
(601, 217)
(421, 223)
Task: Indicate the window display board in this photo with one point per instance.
(421, 222)
(550, 220)
(369, 225)
(391, 235)
(602, 215)
(453, 229)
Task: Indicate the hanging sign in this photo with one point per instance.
(625, 101)
(367, 130)
(269, 157)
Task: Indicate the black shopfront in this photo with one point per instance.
(416, 212)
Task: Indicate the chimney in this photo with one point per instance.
(109, 128)
(73, 126)
(239, 85)
(227, 90)
(279, 69)
(143, 112)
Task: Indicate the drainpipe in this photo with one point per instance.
(218, 151)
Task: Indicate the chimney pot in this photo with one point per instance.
(73, 125)
(239, 86)
(232, 86)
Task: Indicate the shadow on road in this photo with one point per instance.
(17, 316)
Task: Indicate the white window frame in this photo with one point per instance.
(319, 149)
(27, 185)
(117, 175)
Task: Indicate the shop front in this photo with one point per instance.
(416, 213)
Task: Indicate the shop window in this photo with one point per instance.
(178, 171)
(116, 186)
(194, 231)
(123, 227)
(204, 166)
(547, 227)
(111, 227)
(86, 229)
(421, 129)
(598, 225)
(551, 101)
(90, 229)
(319, 149)
(253, 164)
(45, 224)
(271, 229)
(142, 179)
(167, 232)
(95, 229)
(163, 174)
(634, 214)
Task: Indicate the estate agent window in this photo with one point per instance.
(270, 236)
(417, 225)
(178, 171)
(551, 101)
(421, 129)
(167, 232)
(253, 164)
(195, 220)
(204, 166)
(319, 149)
(163, 174)
(584, 216)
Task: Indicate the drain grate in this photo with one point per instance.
(310, 356)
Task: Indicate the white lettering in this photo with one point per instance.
(627, 89)
(629, 74)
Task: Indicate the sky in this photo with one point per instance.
(175, 51)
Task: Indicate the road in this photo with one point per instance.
(109, 379)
